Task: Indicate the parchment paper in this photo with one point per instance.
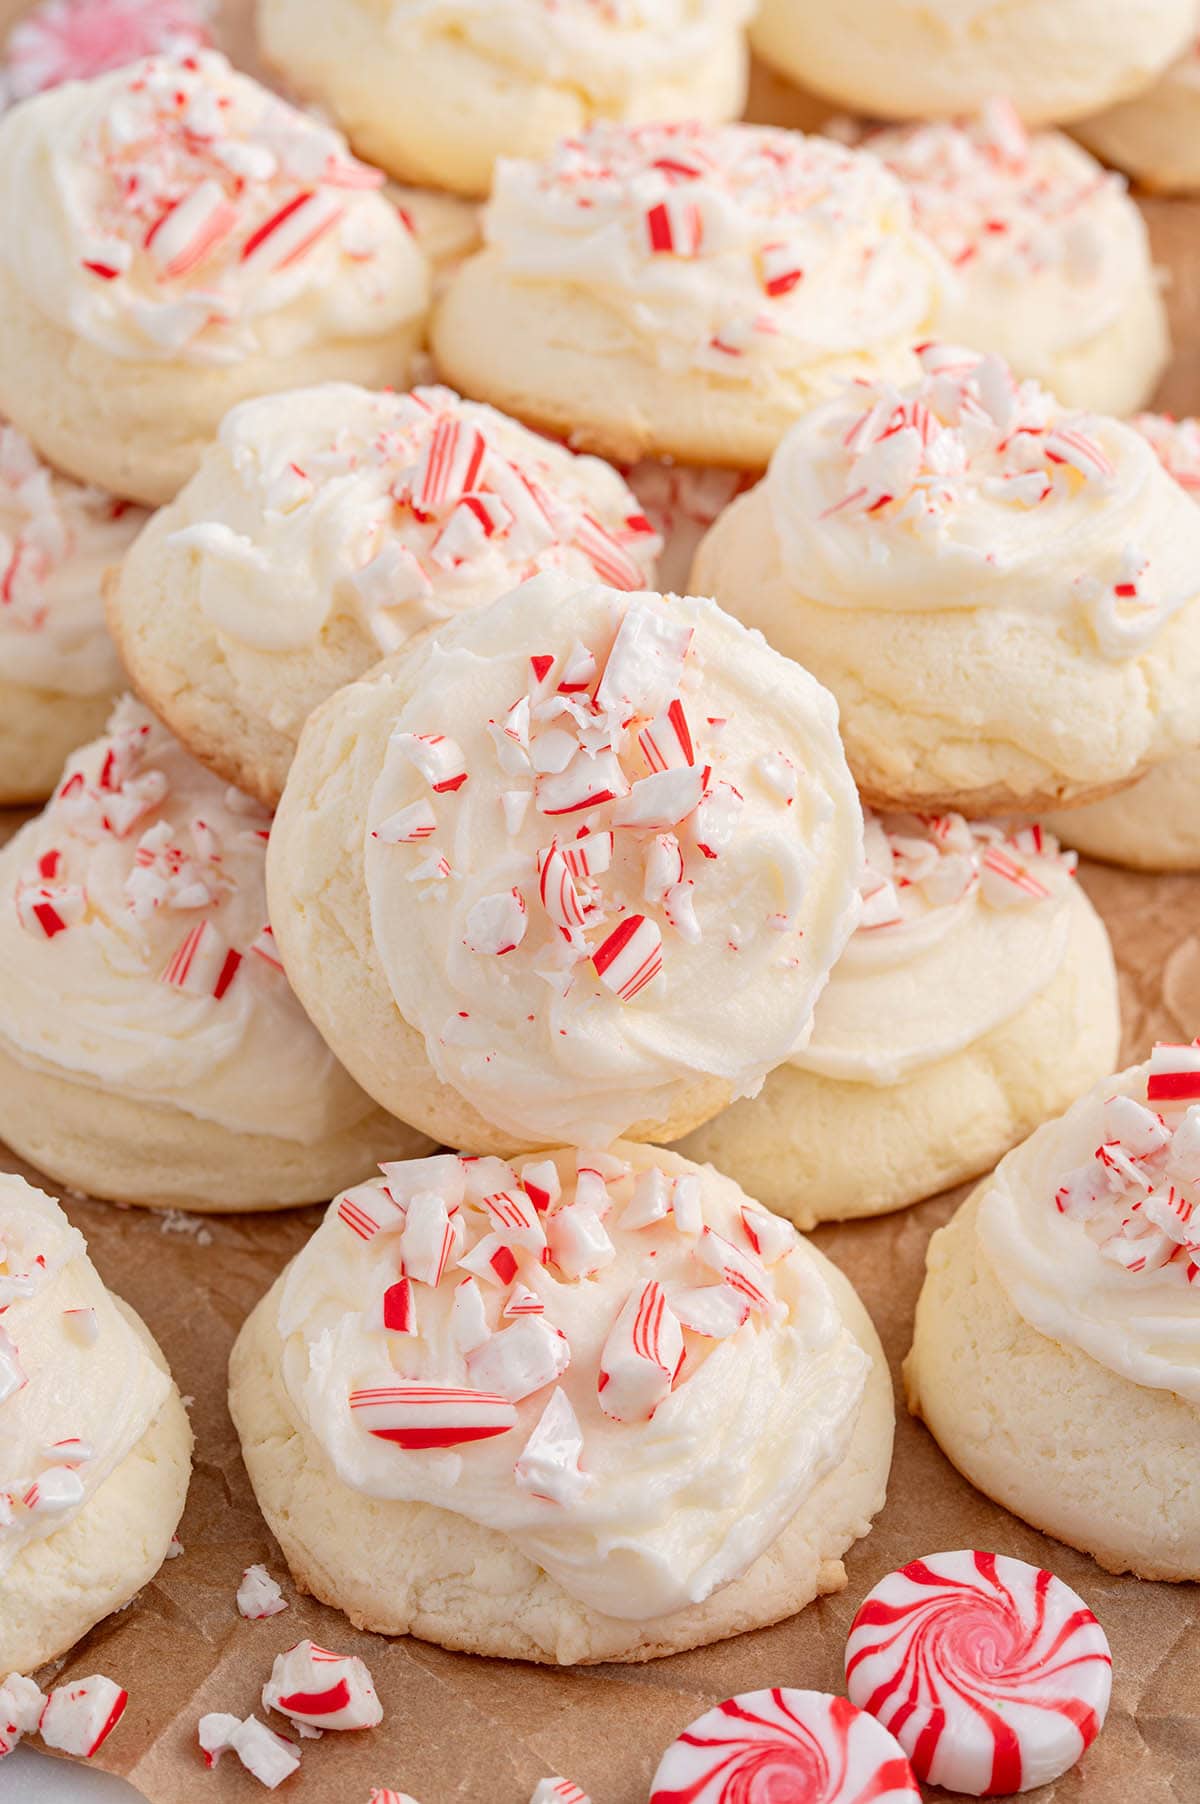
(484, 1731)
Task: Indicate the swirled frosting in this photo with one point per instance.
(735, 249)
(971, 490)
(396, 510)
(1044, 247)
(615, 1360)
(57, 538)
(176, 210)
(613, 846)
(135, 952)
(78, 1387)
(611, 51)
(71, 40)
(962, 925)
(1093, 1225)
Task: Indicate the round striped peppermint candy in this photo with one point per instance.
(784, 1747)
(992, 1674)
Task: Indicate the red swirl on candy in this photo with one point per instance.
(993, 1675)
(789, 1747)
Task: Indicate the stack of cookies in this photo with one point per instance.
(566, 728)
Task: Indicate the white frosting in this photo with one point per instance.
(611, 51)
(176, 210)
(396, 510)
(56, 541)
(636, 1516)
(963, 925)
(140, 855)
(78, 1388)
(1176, 444)
(737, 249)
(502, 983)
(71, 40)
(971, 491)
(1044, 248)
(1093, 1226)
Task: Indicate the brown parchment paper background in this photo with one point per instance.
(484, 1732)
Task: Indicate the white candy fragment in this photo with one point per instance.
(558, 1791)
(549, 1465)
(21, 1706)
(327, 1690)
(271, 1758)
(79, 1718)
(258, 1596)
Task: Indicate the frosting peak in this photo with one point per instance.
(180, 210)
(610, 852)
(614, 1359)
(971, 489)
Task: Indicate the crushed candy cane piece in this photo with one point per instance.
(258, 1595)
(312, 1685)
(271, 1758)
(78, 1718)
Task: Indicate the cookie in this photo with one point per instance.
(614, 1409)
(174, 240)
(572, 865)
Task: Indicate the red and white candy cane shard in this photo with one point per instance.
(450, 465)
(589, 856)
(646, 664)
(367, 1210)
(714, 1311)
(397, 1308)
(541, 1184)
(1006, 881)
(770, 1235)
(578, 1240)
(439, 759)
(716, 817)
(203, 964)
(258, 1595)
(520, 1360)
(263, 946)
(641, 1358)
(271, 1758)
(666, 741)
(496, 924)
(743, 1271)
(428, 1239)
(491, 1259)
(548, 1464)
(1174, 1074)
(408, 826)
(514, 1217)
(523, 1301)
(325, 1690)
(557, 1790)
(79, 1718)
(416, 1416)
(664, 867)
(792, 1745)
(21, 1706)
(993, 1675)
(661, 800)
(588, 780)
(556, 887)
(650, 1202)
(468, 1316)
(630, 957)
(607, 556)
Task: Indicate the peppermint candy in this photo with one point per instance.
(321, 1689)
(78, 1718)
(786, 1744)
(993, 1675)
(258, 1595)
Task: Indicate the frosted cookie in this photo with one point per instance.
(993, 1675)
(1000, 592)
(326, 527)
(1048, 257)
(150, 1048)
(1155, 136)
(436, 90)
(612, 1410)
(684, 292)
(95, 1445)
(72, 40)
(59, 673)
(574, 865)
(174, 239)
(977, 998)
(916, 59)
(1154, 825)
(801, 1744)
(1056, 1355)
